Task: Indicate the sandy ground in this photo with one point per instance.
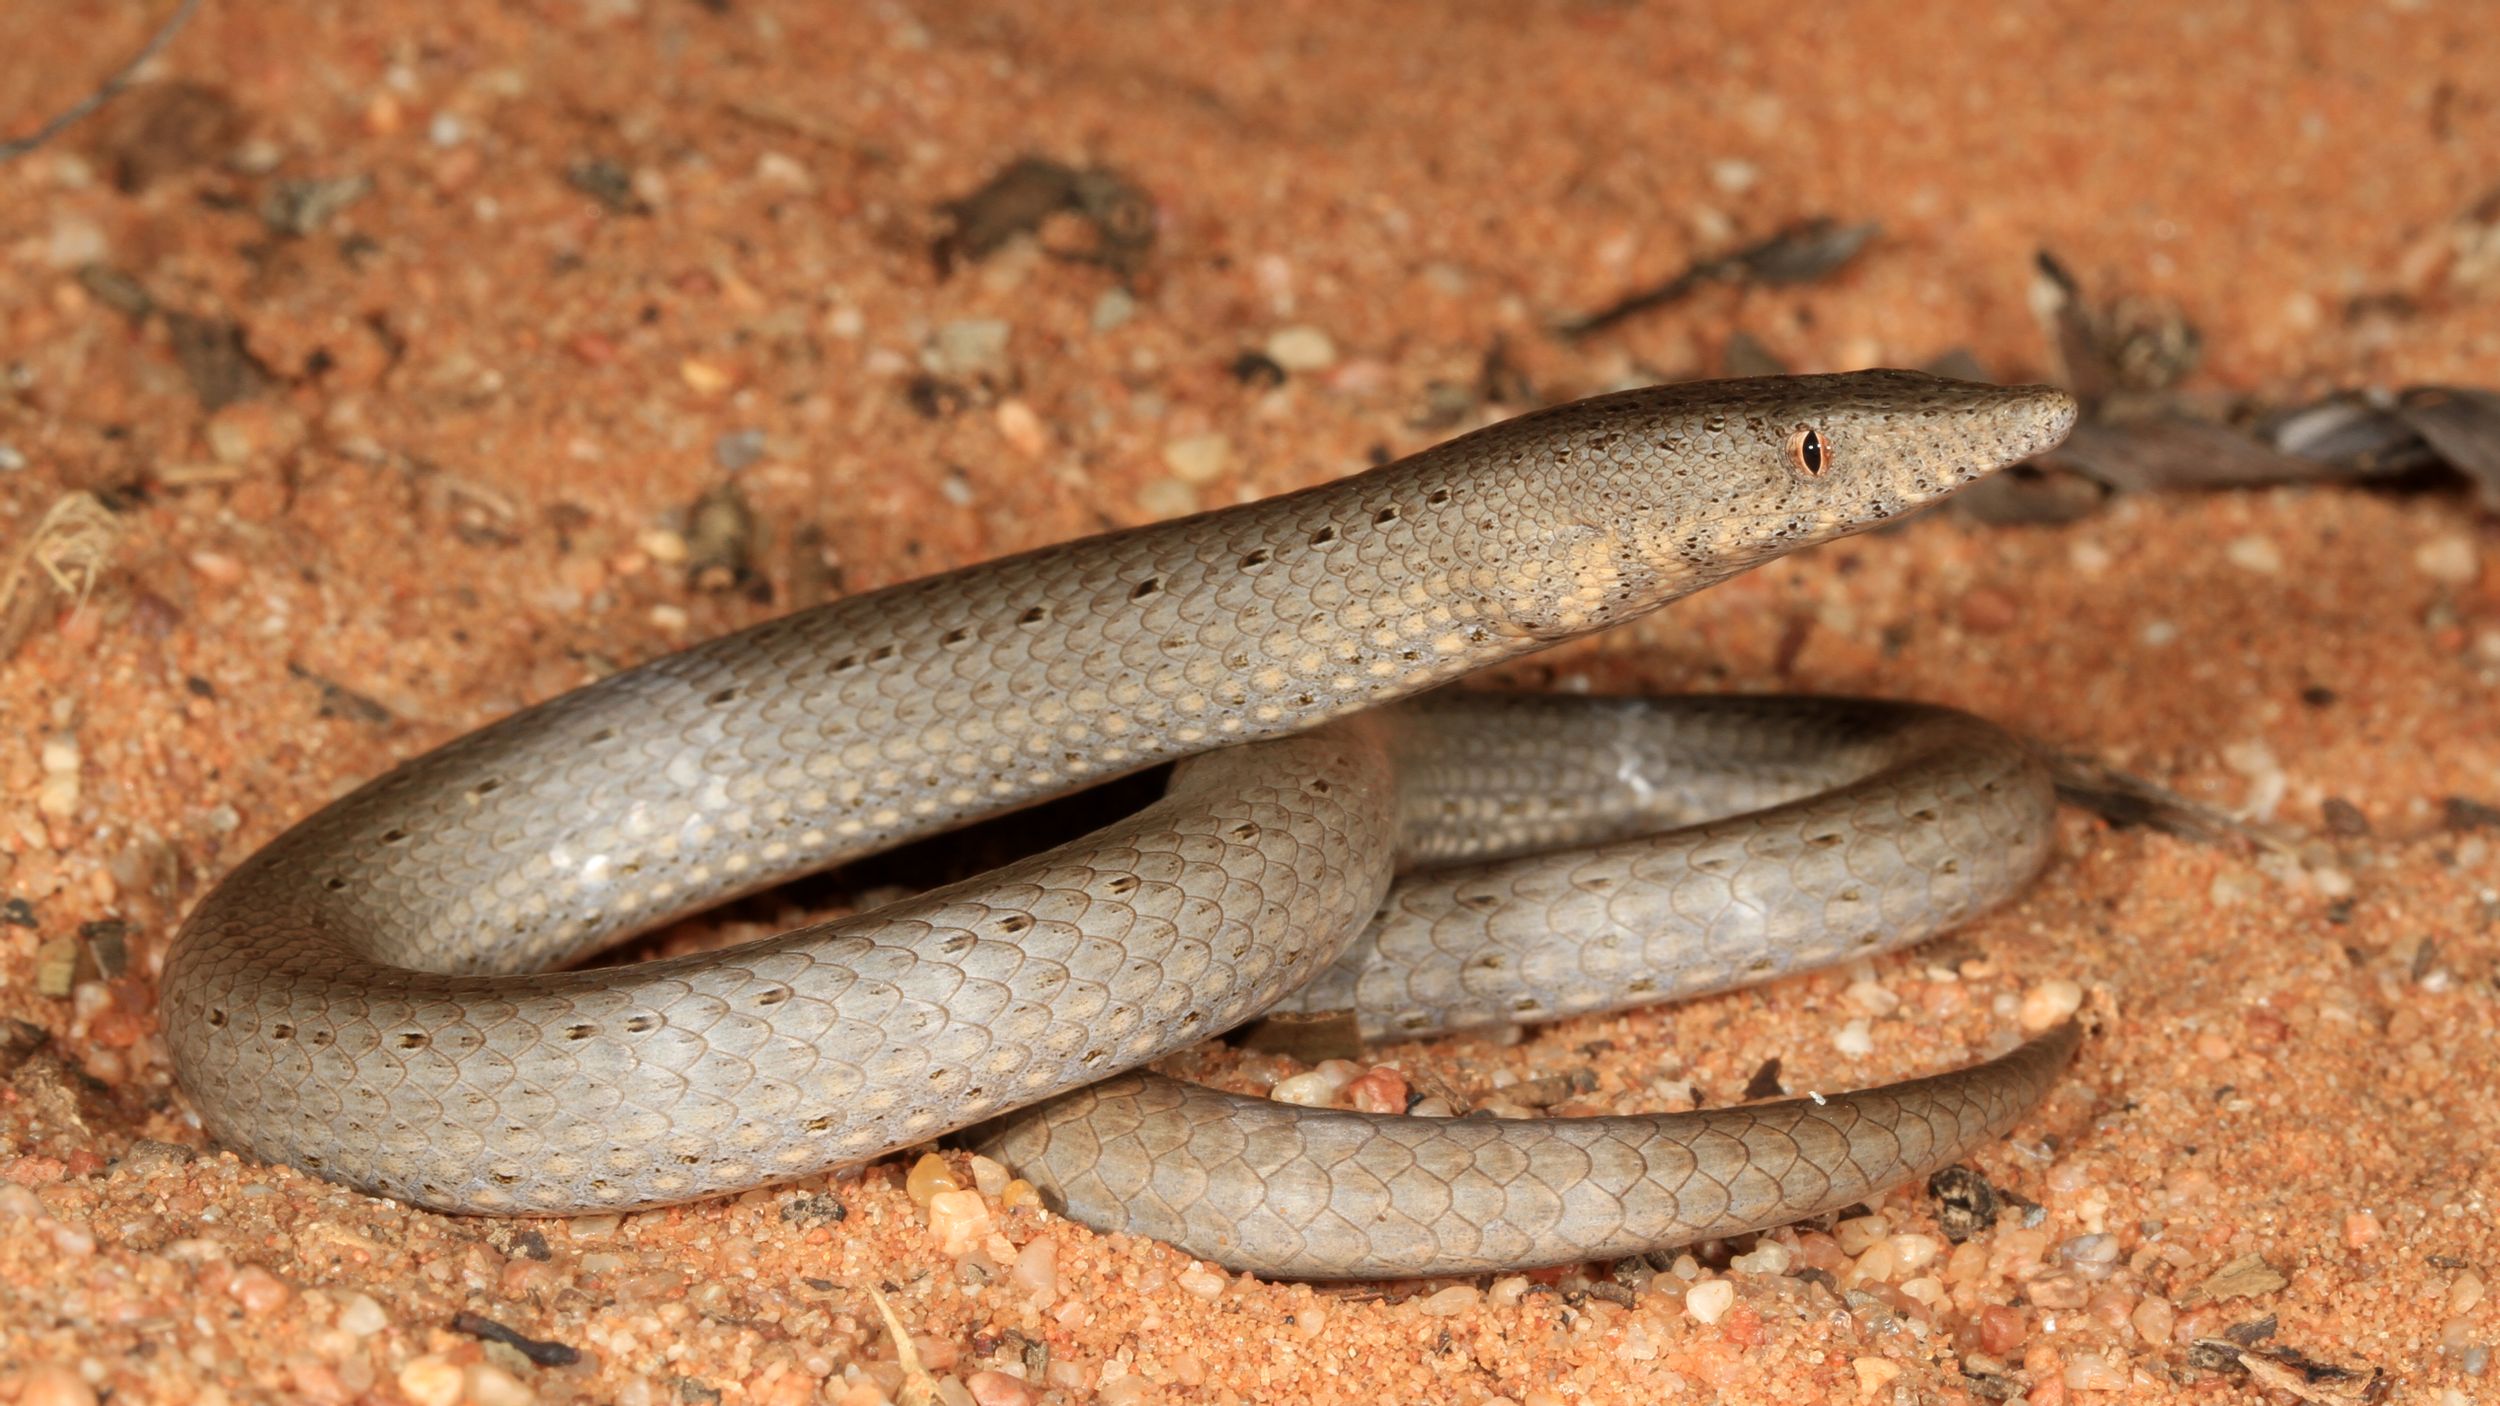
(400, 345)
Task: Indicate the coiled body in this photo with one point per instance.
(365, 998)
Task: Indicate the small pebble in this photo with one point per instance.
(1301, 348)
(1874, 1373)
(1202, 1281)
(363, 1317)
(1198, 459)
(2093, 1371)
(1037, 1268)
(1767, 1258)
(929, 1176)
(2465, 1292)
(431, 1381)
(1734, 175)
(1379, 1090)
(782, 169)
(2049, 1003)
(970, 347)
(703, 377)
(961, 1219)
(1989, 612)
(1914, 1252)
(2254, 553)
(1854, 1038)
(1021, 428)
(1709, 1300)
(1167, 497)
(1457, 1298)
(55, 1386)
(1859, 1234)
(2059, 1288)
(998, 1389)
(1115, 307)
(2450, 560)
(490, 1385)
(57, 794)
(2001, 1329)
(1317, 1088)
(737, 450)
(2093, 1256)
(258, 1290)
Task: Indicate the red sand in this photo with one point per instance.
(492, 399)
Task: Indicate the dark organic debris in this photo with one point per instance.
(1765, 1082)
(2126, 800)
(1800, 253)
(340, 701)
(2460, 425)
(520, 1241)
(817, 1208)
(148, 1156)
(210, 351)
(116, 290)
(1546, 1090)
(1257, 370)
(607, 182)
(2254, 1331)
(2130, 344)
(1031, 189)
(306, 206)
(2344, 818)
(2147, 447)
(2140, 434)
(1992, 1386)
(1616, 1290)
(545, 1354)
(213, 357)
(935, 397)
(20, 1040)
(2247, 1277)
(105, 91)
(2466, 813)
(1966, 1202)
(2291, 1371)
(107, 944)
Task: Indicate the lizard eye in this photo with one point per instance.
(1805, 450)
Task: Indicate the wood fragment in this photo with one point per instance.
(1799, 253)
(2247, 1277)
(107, 90)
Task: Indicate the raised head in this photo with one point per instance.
(1666, 489)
